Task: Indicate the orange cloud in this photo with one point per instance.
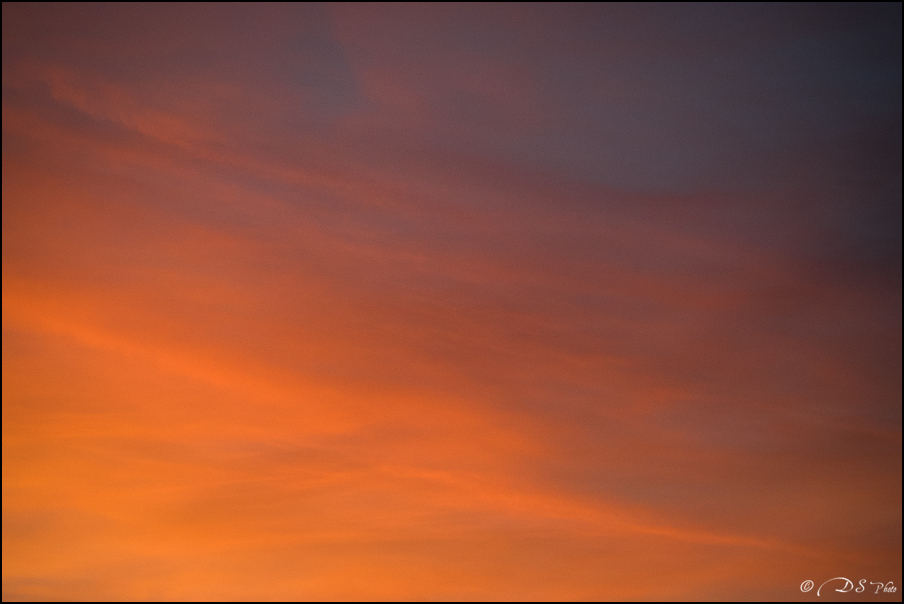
(254, 355)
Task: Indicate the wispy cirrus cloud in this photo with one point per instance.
(367, 303)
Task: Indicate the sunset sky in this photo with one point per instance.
(451, 301)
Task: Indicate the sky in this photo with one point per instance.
(451, 301)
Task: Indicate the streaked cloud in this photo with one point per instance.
(437, 302)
